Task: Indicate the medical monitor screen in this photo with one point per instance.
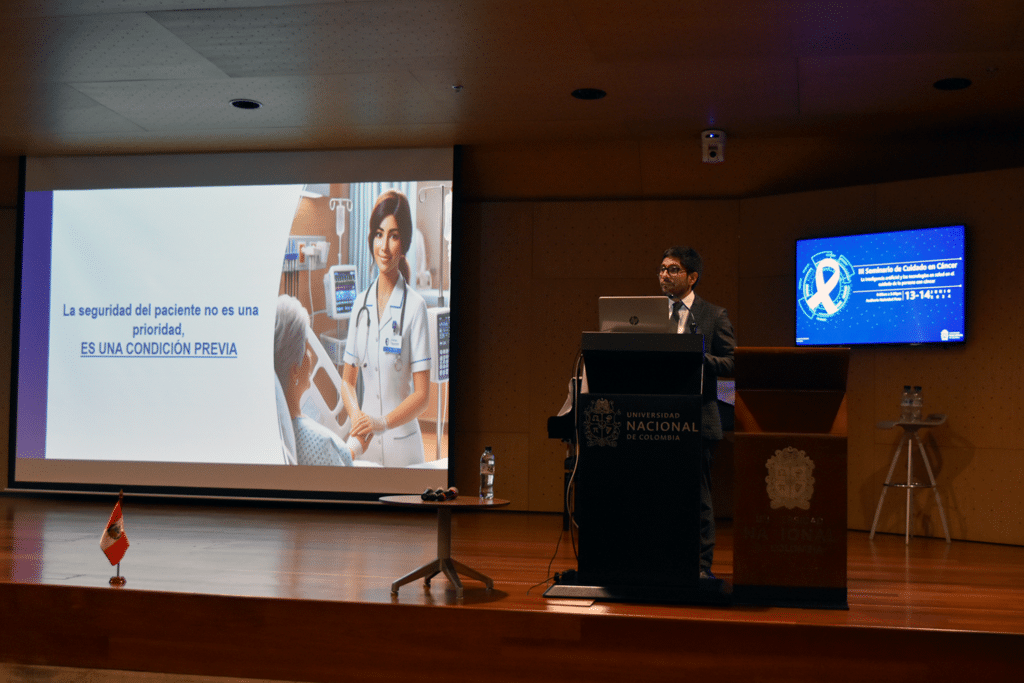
(440, 327)
(176, 334)
(340, 291)
(905, 287)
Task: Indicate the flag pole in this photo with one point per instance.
(119, 580)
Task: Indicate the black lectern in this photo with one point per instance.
(638, 479)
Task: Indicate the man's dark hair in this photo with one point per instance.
(688, 258)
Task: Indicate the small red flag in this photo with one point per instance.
(114, 543)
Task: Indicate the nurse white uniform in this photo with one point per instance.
(387, 376)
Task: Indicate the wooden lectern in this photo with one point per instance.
(790, 486)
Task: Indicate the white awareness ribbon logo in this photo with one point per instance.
(821, 296)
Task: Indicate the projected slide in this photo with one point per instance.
(201, 326)
(881, 288)
(161, 323)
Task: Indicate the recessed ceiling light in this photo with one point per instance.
(952, 84)
(246, 104)
(588, 93)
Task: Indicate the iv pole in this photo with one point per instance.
(342, 208)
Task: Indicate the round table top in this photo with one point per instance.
(467, 502)
(933, 420)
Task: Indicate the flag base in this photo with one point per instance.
(118, 581)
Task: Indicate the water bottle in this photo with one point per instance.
(915, 404)
(487, 474)
(905, 404)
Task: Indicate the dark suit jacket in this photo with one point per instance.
(719, 344)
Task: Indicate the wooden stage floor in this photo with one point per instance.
(303, 593)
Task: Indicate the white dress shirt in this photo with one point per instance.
(684, 312)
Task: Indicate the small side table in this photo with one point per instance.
(444, 562)
(910, 437)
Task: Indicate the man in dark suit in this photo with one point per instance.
(679, 273)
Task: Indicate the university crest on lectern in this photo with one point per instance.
(790, 482)
(601, 423)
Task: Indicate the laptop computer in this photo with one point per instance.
(634, 314)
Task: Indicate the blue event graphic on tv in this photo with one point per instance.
(903, 287)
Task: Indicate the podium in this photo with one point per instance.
(637, 484)
(790, 483)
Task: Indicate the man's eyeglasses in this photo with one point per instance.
(671, 270)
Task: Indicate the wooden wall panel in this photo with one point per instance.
(976, 384)
(549, 170)
(771, 225)
(489, 393)
(585, 250)
(533, 270)
(559, 315)
(712, 227)
(767, 275)
(655, 161)
(9, 182)
(861, 402)
(980, 491)
(512, 464)
(495, 315)
(673, 167)
(539, 268)
(766, 305)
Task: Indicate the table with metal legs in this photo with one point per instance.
(444, 562)
(910, 438)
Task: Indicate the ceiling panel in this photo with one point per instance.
(708, 93)
(372, 99)
(52, 142)
(904, 26)
(112, 47)
(69, 111)
(204, 105)
(81, 76)
(662, 29)
(497, 95)
(877, 85)
(66, 111)
(55, 8)
(666, 28)
(311, 101)
(379, 36)
(700, 92)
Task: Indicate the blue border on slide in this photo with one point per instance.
(33, 326)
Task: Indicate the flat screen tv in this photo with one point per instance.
(148, 354)
(899, 287)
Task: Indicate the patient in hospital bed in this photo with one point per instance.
(314, 444)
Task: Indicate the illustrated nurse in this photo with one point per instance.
(388, 344)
